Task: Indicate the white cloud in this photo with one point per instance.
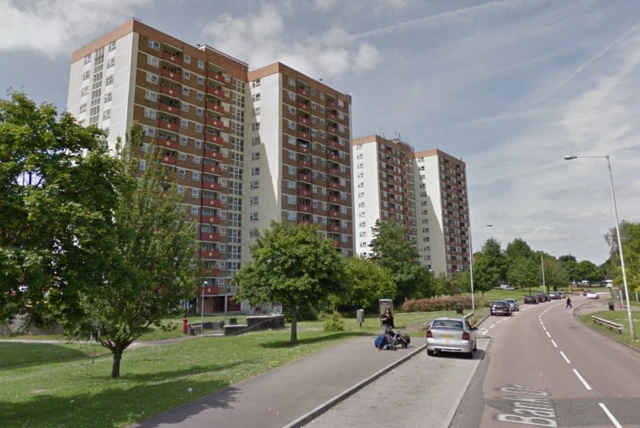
(261, 39)
(52, 27)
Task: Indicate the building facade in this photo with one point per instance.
(228, 132)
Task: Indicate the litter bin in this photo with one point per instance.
(612, 307)
(459, 308)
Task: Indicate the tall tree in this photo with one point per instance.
(365, 283)
(555, 274)
(524, 273)
(486, 273)
(292, 265)
(58, 186)
(518, 248)
(630, 235)
(495, 257)
(147, 262)
(567, 258)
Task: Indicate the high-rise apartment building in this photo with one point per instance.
(233, 144)
(427, 191)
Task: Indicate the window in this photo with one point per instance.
(255, 126)
(187, 59)
(201, 64)
(198, 127)
(200, 80)
(255, 141)
(292, 170)
(292, 96)
(84, 92)
(83, 108)
(153, 61)
(255, 156)
(196, 159)
(292, 200)
(183, 141)
(143, 164)
(197, 144)
(152, 78)
(292, 81)
(200, 96)
(186, 75)
(363, 224)
(109, 81)
(199, 112)
(181, 173)
(182, 156)
(185, 107)
(253, 200)
(154, 45)
(184, 123)
(87, 59)
(292, 125)
(86, 75)
(255, 171)
(185, 90)
(111, 62)
(256, 97)
(195, 176)
(253, 217)
(195, 193)
(106, 115)
(149, 132)
(254, 185)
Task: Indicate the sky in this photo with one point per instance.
(509, 86)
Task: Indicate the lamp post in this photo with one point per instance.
(544, 285)
(615, 211)
(204, 284)
(473, 296)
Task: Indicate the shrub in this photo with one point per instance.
(334, 323)
(442, 303)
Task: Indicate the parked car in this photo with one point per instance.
(554, 296)
(513, 305)
(542, 298)
(451, 334)
(506, 287)
(530, 300)
(592, 295)
(561, 294)
(501, 308)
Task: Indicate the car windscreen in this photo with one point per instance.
(499, 304)
(447, 324)
(509, 300)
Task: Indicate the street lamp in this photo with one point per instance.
(204, 284)
(473, 296)
(544, 285)
(615, 211)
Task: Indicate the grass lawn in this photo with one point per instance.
(60, 385)
(618, 316)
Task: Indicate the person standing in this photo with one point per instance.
(568, 303)
(387, 320)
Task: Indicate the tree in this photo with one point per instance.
(365, 283)
(524, 272)
(587, 270)
(292, 265)
(148, 264)
(567, 258)
(555, 274)
(516, 249)
(630, 235)
(493, 251)
(58, 186)
(486, 273)
(400, 256)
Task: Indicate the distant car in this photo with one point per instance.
(451, 335)
(513, 305)
(560, 293)
(501, 308)
(592, 295)
(506, 287)
(554, 296)
(530, 300)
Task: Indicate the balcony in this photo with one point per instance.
(303, 149)
(332, 129)
(333, 116)
(170, 144)
(333, 157)
(215, 107)
(304, 208)
(304, 163)
(333, 228)
(304, 120)
(213, 154)
(210, 272)
(172, 58)
(209, 254)
(334, 199)
(213, 169)
(304, 135)
(169, 109)
(304, 177)
(304, 106)
(305, 193)
(335, 214)
(305, 222)
(216, 76)
(333, 143)
(333, 171)
(212, 203)
(333, 184)
(210, 219)
(211, 185)
(219, 93)
(215, 123)
(303, 92)
(172, 92)
(213, 138)
(168, 125)
(169, 160)
(171, 75)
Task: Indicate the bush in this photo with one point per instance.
(334, 323)
(442, 303)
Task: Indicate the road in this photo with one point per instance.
(544, 368)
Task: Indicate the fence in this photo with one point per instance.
(606, 323)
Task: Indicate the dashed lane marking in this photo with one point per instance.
(554, 343)
(565, 357)
(548, 335)
(614, 421)
(584, 382)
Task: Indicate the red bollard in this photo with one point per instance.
(185, 321)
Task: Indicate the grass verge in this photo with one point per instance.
(63, 385)
(620, 317)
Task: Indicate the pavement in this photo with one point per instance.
(280, 396)
(544, 368)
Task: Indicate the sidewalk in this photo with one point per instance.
(280, 396)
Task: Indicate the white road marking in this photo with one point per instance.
(614, 421)
(499, 322)
(492, 326)
(554, 343)
(484, 334)
(565, 357)
(548, 335)
(544, 328)
(584, 382)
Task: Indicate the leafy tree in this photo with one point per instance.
(630, 235)
(555, 274)
(493, 251)
(147, 262)
(58, 186)
(365, 283)
(516, 249)
(524, 272)
(486, 273)
(587, 270)
(567, 258)
(292, 265)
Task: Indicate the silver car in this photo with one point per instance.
(451, 335)
(512, 304)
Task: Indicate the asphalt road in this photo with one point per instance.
(544, 368)
(422, 392)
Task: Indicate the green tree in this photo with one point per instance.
(587, 270)
(567, 258)
(57, 189)
(292, 265)
(486, 273)
(148, 264)
(493, 251)
(516, 249)
(630, 235)
(365, 283)
(524, 272)
(555, 274)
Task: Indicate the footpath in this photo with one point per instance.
(283, 395)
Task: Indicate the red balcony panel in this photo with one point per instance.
(335, 214)
(304, 120)
(334, 171)
(303, 163)
(171, 75)
(332, 104)
(213, 169)
(213, 138)
(333, 184)
(169, 160)
(209, 254)
(216, 92)
(333, 157)
(168, 125)
(332, 129)
(213, 154)
(212, 203)
(215, 123)
(210, 185)
(333, 143)
(306, 222)
(303, 135)
(303, 106)
(304, 177)
(174, 59)
(170, 91)
(304, 193)
(216, 76)
(169, 109)
(333, 116)
(304, 208)
(210, 219)
(302, 92)
(303, 149)
(210, 272)
(170, 144)
(216, 107)
(208, 291)
(209, 236)
(334, 199)
(333, 228)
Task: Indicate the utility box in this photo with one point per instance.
(384, 304)
(360, 316)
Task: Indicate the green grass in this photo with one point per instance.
(61, 385)
(618, 316)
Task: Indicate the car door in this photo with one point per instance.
(472, 332)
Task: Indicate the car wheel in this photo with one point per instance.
(475, 346)
(430, 353)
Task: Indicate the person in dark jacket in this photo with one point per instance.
(387, 320)
(568, 303)
(381, 341)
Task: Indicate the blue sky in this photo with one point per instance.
(510, 86)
